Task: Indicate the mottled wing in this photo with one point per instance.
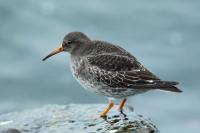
(121, 71)
(114, 63)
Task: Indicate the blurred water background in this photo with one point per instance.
(163, 35)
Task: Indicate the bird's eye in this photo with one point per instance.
(69, 42)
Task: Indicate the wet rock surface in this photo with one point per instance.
(75, 118)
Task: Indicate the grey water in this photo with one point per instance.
(163, 35)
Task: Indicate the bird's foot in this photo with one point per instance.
(122, 113)
(102, 115)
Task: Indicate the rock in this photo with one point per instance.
(9, 131)
(75, 118)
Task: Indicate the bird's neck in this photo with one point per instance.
(82, 50)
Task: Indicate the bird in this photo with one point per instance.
(109, 70)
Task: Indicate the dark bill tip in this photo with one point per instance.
(56, 51)
(45, 58)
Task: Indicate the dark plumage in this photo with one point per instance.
(108, 69)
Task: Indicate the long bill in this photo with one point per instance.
(56, 51)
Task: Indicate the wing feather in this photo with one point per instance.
(121, 71)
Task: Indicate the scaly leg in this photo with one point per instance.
(104, 113)
(121, 106)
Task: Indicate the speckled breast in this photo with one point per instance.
(90, 80)
(80, 71)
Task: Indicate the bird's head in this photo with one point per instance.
(74, 43)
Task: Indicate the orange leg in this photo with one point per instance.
(104, 113)
(121, 106)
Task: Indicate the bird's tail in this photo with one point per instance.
(168, 86)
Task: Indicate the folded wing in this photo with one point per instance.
(121, 71)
